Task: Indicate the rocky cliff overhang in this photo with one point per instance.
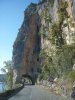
(26, 47)
(38, 19)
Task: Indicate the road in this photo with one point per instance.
(34, 93)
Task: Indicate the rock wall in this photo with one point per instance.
(26, 47)
(35, 31)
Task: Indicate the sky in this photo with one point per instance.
(11, 18)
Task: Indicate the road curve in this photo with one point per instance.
(34, 93)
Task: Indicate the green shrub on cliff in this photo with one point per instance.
(62, 53)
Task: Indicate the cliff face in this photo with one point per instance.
(27, 44)
(47, 25)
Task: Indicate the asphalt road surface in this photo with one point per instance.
(35, 93)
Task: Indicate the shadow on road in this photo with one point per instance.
(10, 93)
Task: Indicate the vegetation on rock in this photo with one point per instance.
(58, 60)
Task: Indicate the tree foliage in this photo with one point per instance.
(9, 74)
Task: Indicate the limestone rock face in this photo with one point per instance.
(26, 47)
(38, 19)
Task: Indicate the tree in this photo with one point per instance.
(9, 74)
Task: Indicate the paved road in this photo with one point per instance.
(34, 93)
